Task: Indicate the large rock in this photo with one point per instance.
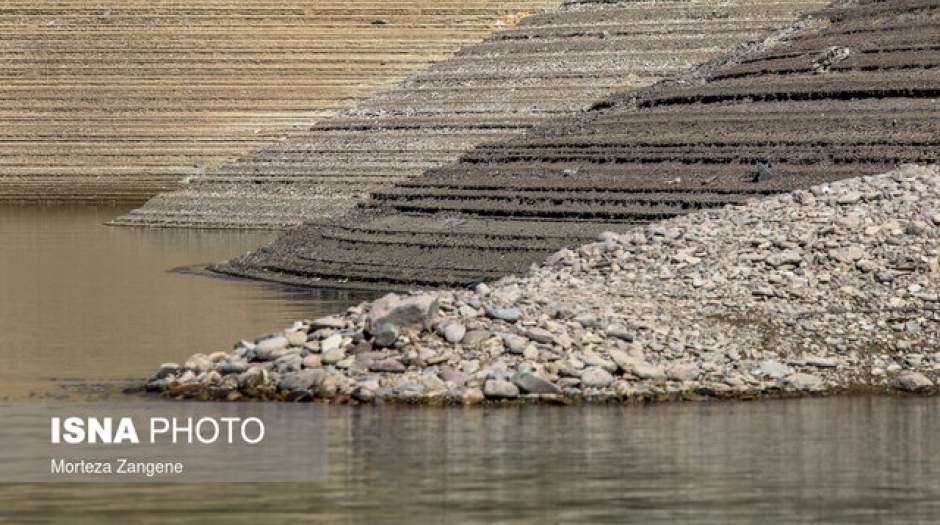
(803, 381)
(540, 335)
(774, 369)
(596, 377)
(333, 321)
(410, 311)
(506, 314)
(452, 331)
(515, 343)
(684, 371)
(498, 389)
(636, 366)
(391, 313)
(388, 365)
(534, 384)
(272, 344)
(305, 379)
(912, 382)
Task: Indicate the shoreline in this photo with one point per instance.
(833, 289)
(857, 391)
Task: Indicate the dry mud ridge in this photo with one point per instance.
(831, 290)
(547, 66)
(123, 99)
(853, 91)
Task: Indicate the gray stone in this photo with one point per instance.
(620, 332)
(312, 361)
(166, 369)
(912, 382)
(199, 363)
(384, 335)
(506, 314)
(516, 344)
(333, 322)
(472, 396)
(234, 366)
(596, 377)
(333, 356)
(301, 380)
(388, 365)
(272, 344)
(684, 372)
(450, 375)
(802, 381)
(331, 343)
(774, 369)
(540, 335)
(820, 362)
(786, 257)
(453, 332)
(499, 389)
(297, 338)
(636, 366)
(416, 311)
(534, 384)
(288, 362)
(474, 338)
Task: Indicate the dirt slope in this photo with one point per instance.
(854, 93)
(550, 65)
(123, 99)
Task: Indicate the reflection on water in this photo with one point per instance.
(90, 305)
(856, 460)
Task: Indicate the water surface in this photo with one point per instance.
(852, 461)
(90, 307)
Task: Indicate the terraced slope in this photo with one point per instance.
(123, 99)
(855, 93)
(549, 65)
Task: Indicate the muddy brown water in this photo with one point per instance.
(93, 306)
(87, 309)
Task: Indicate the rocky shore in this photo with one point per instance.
(829, 290)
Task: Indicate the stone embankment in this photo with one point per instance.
(852, 90)
(121, 99)
(548, 65)
(828, 290)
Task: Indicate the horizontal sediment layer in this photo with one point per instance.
(124, 99)
(547, 66)
(826, 291)
(818, 103)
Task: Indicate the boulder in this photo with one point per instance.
(533, 384)
(912, 382)
(499, 389)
